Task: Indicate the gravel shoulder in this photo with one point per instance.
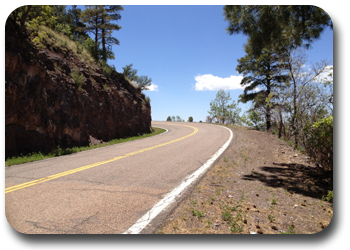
(261, 185)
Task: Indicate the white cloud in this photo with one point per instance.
(152, 87)
(210, 82)
(324, 76)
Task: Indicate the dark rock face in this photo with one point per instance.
(45, 108)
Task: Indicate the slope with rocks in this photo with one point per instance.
(46, 107)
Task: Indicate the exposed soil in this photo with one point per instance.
(260, 185)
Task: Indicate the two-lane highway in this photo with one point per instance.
(107, 190)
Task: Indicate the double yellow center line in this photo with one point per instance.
(55, 176)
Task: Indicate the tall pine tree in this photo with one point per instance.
(262, 73)
(282, 25)
(76, 24)
(98, 20)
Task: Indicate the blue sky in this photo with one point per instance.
(179, 46)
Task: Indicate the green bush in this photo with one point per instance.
(330, 196)
(106, 69)
(319, 142)
(78, 78)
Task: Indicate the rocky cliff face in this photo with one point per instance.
(45, 108)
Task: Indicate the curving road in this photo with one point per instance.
(107, 190)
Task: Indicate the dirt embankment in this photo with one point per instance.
(259, 186)
(45, 107)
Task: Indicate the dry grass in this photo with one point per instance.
(132, 83)
(258, 186)
(55, 39)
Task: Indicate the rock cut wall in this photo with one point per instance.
(44, 107)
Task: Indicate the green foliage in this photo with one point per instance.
(98, 21)
(142, 82)
(39, 39)
(168, 119)
(78, 78)
(263, 72)
(129, 72)
(59, 151)
(92, 47)
(75, 23)
(330, 196)
(271, 218)
(251, 119)
(226, 216)
(219, 106)
(290, 230)
(190, 119)
(80, 48)
(39, 15)
(64, 28)
(233, 113)
(198, 214)
(319, 142)
(106, 69)
(279, 25)
(273, 200)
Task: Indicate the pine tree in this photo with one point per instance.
(129, 72)
(112, 13)
(91, 16)
(263, 72)
(98, 20)
(282, 25)
(77, 26)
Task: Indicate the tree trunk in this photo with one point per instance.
(294, 121)
(280, 126)
(268, 108)
(23, 19)
(103, 36)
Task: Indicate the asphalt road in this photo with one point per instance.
(106, 190)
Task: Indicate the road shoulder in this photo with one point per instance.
(260, 185)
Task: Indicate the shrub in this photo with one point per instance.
(319, 142)
(106, 69)
(78, 78)
(330, 196)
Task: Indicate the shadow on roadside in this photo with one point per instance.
(295, 178)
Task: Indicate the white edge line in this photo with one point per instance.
(170, 198)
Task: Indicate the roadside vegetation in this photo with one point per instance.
(88, 33)
(64, 151)
(277, 178)
(261, 185)
(288, 97)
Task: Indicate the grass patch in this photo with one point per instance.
(57, 40)
(290, 230)
(59, 151)
(78, 78)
